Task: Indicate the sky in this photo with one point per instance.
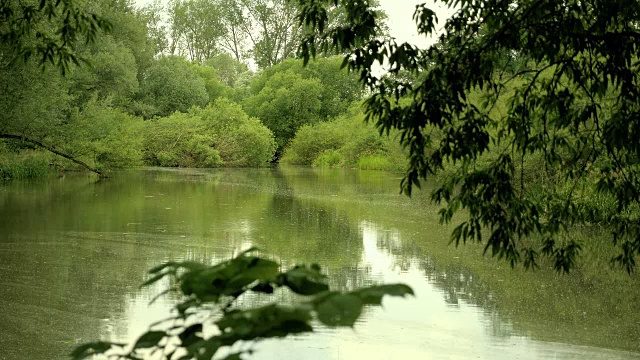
(400, 21)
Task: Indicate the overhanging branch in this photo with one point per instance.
(53, 150)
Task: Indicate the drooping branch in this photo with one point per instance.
(53, 150)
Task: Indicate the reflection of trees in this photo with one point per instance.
(73, 251)
(299, 229)
(456, 282)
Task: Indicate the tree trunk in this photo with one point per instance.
(53, 150)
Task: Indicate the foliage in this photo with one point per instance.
(195, 28)
(209, 296)
(339, 88)
(241, 140)
(49, 30)
(25, 165)
(374, 162)
(286, 102)
(215, 88)
(103, 136)
(345, 141)
(575, 105)
(220, 134)
(33, 102)
(177, 140)
(112, 74)
(328, 158)
(279, 30)
(152, 17)
(227, 68)
(172, 84)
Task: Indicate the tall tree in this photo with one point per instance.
(574, 106)
(195, 28)
(275, 30)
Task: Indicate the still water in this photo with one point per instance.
(73, 252)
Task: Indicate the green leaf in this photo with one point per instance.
(161, 267)
(257, 269)
(154, 279)
(373, 295)
(189, 335)
(89, 349)
(304, 281)
(339, 309)
(149, 339)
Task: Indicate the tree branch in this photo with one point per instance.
(53, 150)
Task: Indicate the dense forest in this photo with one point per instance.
(189, 84)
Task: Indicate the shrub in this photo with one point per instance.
(24, 165)
(374, 162)
(173, 84)
(219, 135)
(345, 141)
(329, 158)
(105, 137)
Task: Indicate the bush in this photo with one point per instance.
(374, 162)
(329, 158)
(219, 135)
(286, 103)
(345, 141)
(311, 140)
(105, 137)
(24, 165)
(172, 84)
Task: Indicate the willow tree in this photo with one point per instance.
(508, 82)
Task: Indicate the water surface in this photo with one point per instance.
(73, 252)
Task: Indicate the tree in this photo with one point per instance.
(152, 14)
(339, 88)
(286, 102)
(195, 28)
(227, 68)
(172, 84)
(570, 110)
(50, 30)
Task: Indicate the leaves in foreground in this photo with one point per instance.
(208, 321)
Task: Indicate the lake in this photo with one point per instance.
(73, 252)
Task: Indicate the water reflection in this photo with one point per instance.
(73, 252)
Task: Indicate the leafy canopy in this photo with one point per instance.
(564, 77)
(48, 30)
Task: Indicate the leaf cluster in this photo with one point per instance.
(566, 75)
(49, 30)
(210, 294)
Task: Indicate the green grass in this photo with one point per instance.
(374, 162)
(25, 165)
(329, 159)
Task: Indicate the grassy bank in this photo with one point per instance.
(24, 165)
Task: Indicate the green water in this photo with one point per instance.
(73, 252)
